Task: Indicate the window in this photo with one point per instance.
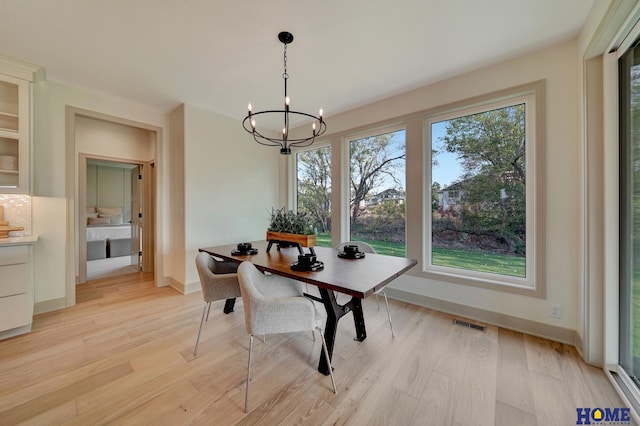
(313, 171)
(481, 223)
(629, 321)
(377, 191)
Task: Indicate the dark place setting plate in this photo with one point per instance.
(307, 262)
(345, 255)
(244, 249)
(316, 266)
(237, 252)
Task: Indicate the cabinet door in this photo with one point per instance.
(15, 129)
(14, 254)
(14, 279)
(15, 311)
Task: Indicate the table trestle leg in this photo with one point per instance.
(334, 313)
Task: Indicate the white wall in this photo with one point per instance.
(558, 66)
(102, 138)
(231, 184)
(109, 187)
(50, 205)
(176, 185)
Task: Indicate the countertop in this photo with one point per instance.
(18, 241)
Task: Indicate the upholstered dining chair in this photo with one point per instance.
(367, 248)
(274, 305)
(219, 281)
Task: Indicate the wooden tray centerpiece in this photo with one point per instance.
(289, 228)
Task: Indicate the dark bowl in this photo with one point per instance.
(350, 249)
(306, 259)
(244, 246)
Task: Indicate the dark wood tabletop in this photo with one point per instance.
(357, 277)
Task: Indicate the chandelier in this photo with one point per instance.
(284, 141)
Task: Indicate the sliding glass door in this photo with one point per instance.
(629, 81)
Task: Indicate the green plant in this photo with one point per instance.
(283, 220)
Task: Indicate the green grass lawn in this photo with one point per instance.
(464, 259)
(513, 266)
(382, 247)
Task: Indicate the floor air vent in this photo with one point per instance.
(467, 324)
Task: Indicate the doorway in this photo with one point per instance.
(112, 146)
(113, 202)
(116, 196)
(115, 169)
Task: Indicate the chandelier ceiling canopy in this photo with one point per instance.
(285, 141)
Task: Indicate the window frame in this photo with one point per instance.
(533, 284)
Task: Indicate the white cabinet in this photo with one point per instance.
(15, 134)
(16, 290)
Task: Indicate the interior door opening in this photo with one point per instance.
(113, 210)
(116, 201)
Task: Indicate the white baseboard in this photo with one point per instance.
(558, 334)
(183, 288)
(15, 331)
(49, 305)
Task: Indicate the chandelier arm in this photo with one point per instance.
(265, 140)
(259, 137)
(302, 144)
(319, 132)
(271, 141)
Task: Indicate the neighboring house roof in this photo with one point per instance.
(387, 194)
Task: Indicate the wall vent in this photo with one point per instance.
(468, 324)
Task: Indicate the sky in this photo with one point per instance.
(448, 169)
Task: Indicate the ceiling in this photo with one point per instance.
(222, 54)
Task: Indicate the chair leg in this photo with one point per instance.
(377, 301)
(326, 355)
(246, 395)
(204, 311)
(208, 310)
(386, 302)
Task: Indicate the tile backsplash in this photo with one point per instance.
(17, 210)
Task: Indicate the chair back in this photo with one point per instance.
(218, 285)
(362, 246)
(266, 299)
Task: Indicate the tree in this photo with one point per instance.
(372, 160)
(314, 186)
(435, 189)
(490, 142)
(491, 149)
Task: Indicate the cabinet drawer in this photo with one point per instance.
(14, 254)
(14, 279)
(15, 311)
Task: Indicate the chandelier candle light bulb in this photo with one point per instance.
(319, 127)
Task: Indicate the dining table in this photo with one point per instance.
(357, 277)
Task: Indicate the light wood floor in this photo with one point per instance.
(124, 355)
